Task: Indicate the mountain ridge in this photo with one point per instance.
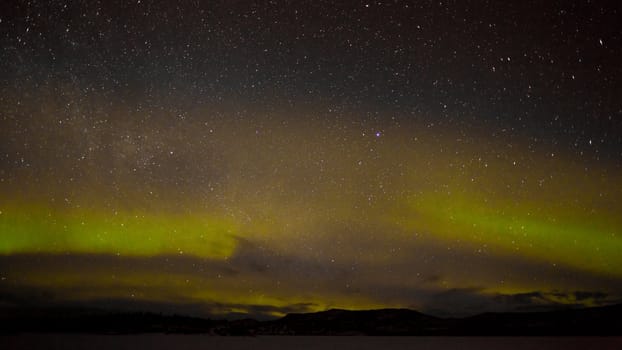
(602, 320)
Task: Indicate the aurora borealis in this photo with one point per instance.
(250, 158)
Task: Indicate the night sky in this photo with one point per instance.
(236, 157)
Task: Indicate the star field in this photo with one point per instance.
(258, 158)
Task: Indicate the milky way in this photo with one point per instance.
(239, 158)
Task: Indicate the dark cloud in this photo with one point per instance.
(583, 295)
(541, 300)
(470, 301)
(405, 280)
(26, 298)
(83, 263)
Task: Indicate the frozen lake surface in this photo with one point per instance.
(178, 342)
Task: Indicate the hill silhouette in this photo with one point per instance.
(588, 321)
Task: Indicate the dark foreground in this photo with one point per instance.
(180, 342)
(600, 321)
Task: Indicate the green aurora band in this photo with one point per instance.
(357, 216)
(36, 230)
